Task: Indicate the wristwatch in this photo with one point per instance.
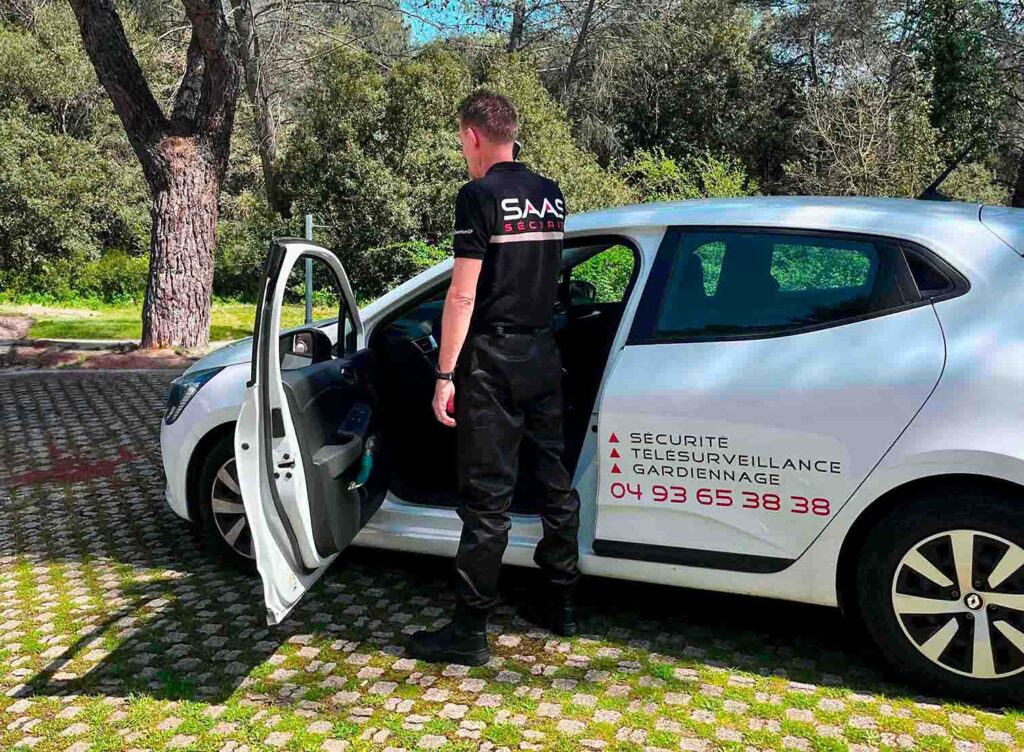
(443, 375)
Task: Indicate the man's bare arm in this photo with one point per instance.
(458, 310)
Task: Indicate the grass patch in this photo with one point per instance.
(227, 320)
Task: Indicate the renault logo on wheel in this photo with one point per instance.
(973, 601)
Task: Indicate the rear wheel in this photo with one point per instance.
(940, 586)
(221, 512)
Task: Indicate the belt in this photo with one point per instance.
(508, 329)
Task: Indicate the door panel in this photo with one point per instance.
(306, 441)
(734, 454)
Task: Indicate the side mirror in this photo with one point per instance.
(303, 348)
(582, 292)
(301, 343)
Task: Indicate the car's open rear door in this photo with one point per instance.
(306, 443)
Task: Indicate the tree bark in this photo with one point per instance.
(581, 40)
(183, 157)
(176, 311)
(1017, 199)
(250, 53)
(515, 35)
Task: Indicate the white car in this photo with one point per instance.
(812, 399)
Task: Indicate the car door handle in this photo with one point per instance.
(591, 315)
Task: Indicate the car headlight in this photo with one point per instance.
(184, 389)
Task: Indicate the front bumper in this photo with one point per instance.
(176, 446)
(214, 406)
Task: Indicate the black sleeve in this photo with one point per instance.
(472, 225)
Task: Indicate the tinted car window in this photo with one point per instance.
(929, 280)
(739, 283)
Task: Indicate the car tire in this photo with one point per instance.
(223, 524)
(910, 592)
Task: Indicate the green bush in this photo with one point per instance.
(609, 272)
(244, 231)
(379, 270)
(653, 176)
(114, 277)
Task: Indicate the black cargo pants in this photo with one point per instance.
(508, 398)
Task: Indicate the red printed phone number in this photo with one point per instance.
(723, 497)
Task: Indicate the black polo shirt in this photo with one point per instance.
(513, 219)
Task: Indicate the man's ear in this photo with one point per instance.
(474, 137)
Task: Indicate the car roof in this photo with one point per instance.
(853, 214)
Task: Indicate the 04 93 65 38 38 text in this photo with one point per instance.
(721, 497)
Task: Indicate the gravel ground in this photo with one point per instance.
(118, 631)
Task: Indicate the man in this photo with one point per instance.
(497, 343)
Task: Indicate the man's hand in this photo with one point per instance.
(444, 392)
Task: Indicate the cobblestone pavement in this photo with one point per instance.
(117, 631)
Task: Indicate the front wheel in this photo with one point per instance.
(940, 586)
(221, 512)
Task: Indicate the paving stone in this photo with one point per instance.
(571, 727)
(123, 609)
(431, 741)
(383, 688)
(453, 711)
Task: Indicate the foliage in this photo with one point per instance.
(548, 144)
(386, 267)
(868, 140)
(655, 177)
(864, 140)
(702, 80)
(62, 203)
(243, 238)
(956, 50)
(114, 276)
(643, 102)
(46, 70)
(609, 272)
(375, 154)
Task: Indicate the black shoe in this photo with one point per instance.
(463, 640)
(555, 610)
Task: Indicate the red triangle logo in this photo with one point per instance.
(614, 439)
(615, 453)
(615, 469)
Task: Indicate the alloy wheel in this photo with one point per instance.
(228, 510)
(959, 598)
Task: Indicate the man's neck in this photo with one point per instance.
(495, 156)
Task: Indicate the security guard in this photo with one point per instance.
(506, 385)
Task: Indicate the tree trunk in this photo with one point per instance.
(515, 35)
(581, 40)
(184, 158)
(251, 55)
(176, 312)
(1017, 199)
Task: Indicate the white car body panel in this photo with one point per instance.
(971, 422)
(214, 406)
(834, 399)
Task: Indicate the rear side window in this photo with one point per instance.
(737, 283)
(931, 281)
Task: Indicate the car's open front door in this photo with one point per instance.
(306, 443)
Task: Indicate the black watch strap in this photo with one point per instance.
(444, 375)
